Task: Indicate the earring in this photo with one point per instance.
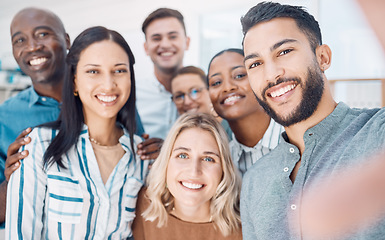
(76, 93)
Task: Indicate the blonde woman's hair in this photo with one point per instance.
(224, 205)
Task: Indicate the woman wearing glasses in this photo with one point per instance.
(190, 94)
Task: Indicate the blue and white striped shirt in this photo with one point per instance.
(73, 203)
(244, 157)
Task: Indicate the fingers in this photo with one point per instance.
(150, 148)
(12, 163)
(20, 141)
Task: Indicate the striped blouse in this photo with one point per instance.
(73, 203)
(244, 157)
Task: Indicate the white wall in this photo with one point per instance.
(212, 25)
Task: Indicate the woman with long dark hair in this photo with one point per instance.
(82, 176)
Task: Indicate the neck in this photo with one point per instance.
(105, 133)
(325, 107)
(245, 129)
(49, 90)
(164, 76)
(196, 214)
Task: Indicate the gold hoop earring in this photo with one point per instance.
(76, 93)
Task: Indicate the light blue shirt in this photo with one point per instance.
(156, 109)
(244, 157)
(73, 203)
(26, 109)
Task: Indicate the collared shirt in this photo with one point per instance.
(244, 157)
(73, 203)
(26, 109)
(156, 109)
(269, 198)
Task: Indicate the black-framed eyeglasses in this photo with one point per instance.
(194, 94)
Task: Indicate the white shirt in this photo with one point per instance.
(244, 157)
(72, 203)
(155, 106)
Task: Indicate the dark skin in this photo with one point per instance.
(228, 78)
(40, 46)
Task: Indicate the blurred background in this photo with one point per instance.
(214, 25)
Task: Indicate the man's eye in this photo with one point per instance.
(182, 156)
(18, 40)
(254, 65)
(284, 52)
(42, 34)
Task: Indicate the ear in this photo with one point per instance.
(324, 56)
(145, 45)
(187, 43)
(68, 41)
(75, 85)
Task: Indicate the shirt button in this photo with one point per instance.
(286, 169)
(43, 99)
(293, 207)
(291, 150)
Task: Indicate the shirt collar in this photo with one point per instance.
(35, 98)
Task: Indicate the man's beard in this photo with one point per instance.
(313, 89)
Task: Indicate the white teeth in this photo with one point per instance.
(166, 54)
(37, 61)
(282, 91)
(231, 99)
(192, 185)
(106, 98)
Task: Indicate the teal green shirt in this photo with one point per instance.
(269, 198)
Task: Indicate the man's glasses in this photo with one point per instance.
(194, 94)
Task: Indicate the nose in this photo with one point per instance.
(229, 85)
(196, 167)
(33, 45)
(188, 100)
(109, 82)
(273, 71)
(165, 42)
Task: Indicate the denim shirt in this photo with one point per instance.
(269, 198)
(26, 109)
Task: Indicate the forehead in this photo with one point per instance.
(186, 81)
(226, 60)
(264, 35)
(206, 139)
(103, 52)
(164, 26)
(29, 20)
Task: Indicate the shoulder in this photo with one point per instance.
(20, 98)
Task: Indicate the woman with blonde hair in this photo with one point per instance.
(193, 186)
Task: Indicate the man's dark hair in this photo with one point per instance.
(163, 13)
(266, 11)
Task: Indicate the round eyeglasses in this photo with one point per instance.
(194, 94)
